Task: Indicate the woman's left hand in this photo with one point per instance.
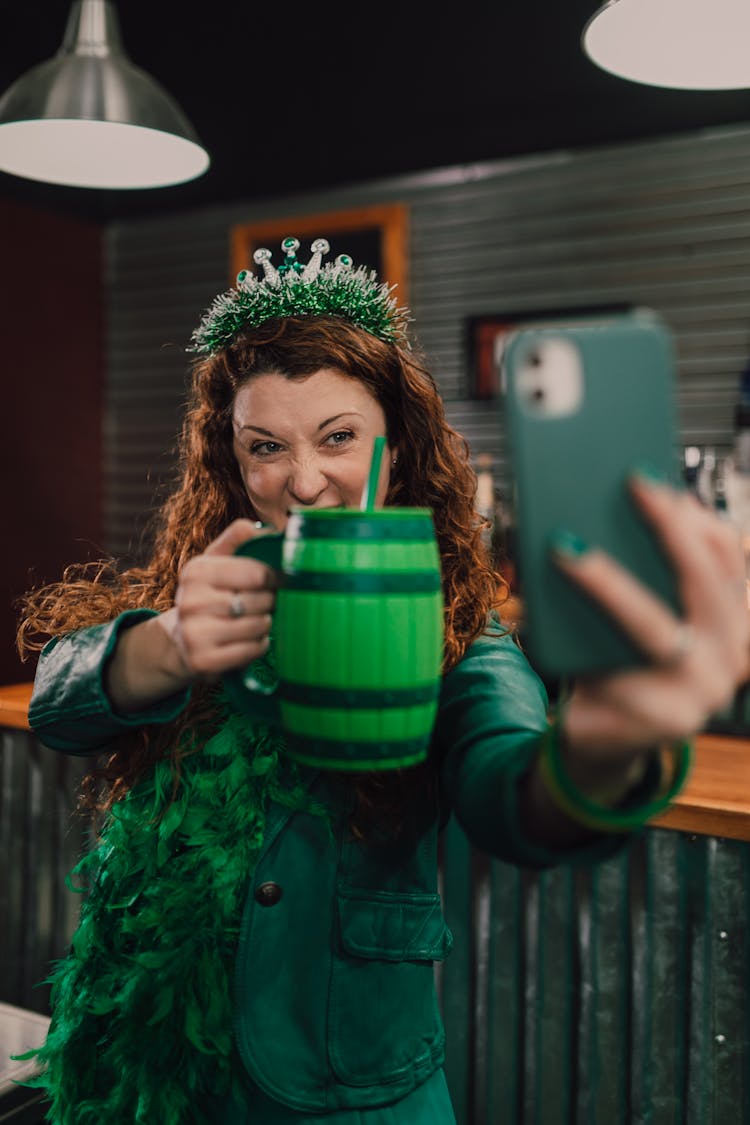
(697, 662)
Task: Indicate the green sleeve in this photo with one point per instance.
(493, 710)
(69, 708)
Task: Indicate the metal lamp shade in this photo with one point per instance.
(90, 118)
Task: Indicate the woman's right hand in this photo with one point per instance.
(200, 637)
(223, 606)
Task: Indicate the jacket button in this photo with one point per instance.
(268, 894)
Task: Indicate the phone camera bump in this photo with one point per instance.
(549, 380)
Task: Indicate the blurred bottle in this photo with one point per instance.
(691, 464)
(723, 467)
(705, 485)
(503, 542)
(498, 535)
(699, 469)
(484, 500)
(737, 477)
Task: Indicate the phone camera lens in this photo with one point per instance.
(535, 360)
(537, 395)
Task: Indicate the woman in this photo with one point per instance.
(259, 938)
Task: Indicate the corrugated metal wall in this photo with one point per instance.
(611, 996)
(663, 223)
(41, 840)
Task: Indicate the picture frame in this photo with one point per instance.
(374, 236)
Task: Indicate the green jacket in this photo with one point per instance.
(335, 1004)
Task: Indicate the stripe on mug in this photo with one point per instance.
(364, 582)
(363, 755)
(310, 695)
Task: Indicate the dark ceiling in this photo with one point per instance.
(294, 98)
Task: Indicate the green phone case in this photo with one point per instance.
(570, 468)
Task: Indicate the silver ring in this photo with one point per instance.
(236, 607)
(683, 643)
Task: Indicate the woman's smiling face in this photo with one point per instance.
(306, 442)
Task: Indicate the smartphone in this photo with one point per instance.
(586, 404)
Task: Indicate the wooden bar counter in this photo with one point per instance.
(716, 798)
(14, 706)
(715, 801)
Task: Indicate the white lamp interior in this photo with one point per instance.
(98, 154)
(685, 44)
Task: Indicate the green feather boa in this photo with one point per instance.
(142, 1012)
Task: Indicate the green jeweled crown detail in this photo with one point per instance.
(297, 289)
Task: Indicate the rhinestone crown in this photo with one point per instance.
(302, 289)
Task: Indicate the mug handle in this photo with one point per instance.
(247, 693)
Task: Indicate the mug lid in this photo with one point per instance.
(371, 513)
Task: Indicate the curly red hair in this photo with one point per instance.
(433, 470)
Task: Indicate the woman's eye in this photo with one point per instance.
(265, 448)
(340, 437)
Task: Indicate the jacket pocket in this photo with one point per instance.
(384, 1018)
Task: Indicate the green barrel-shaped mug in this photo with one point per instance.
(357, 637)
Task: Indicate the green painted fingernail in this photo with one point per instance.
(568, 543)
(649, 474)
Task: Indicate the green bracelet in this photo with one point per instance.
(600, 818)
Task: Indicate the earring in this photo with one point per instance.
(395, 459)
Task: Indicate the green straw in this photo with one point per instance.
(368, 496)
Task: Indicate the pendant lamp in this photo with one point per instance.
(89, 118)
(680, 44)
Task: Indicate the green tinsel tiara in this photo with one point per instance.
(294, 289)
